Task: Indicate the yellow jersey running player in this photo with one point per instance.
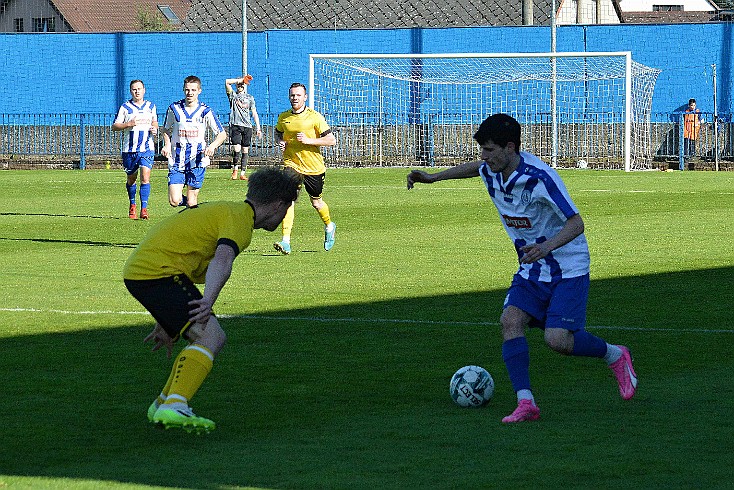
(300, 132)
(198, 246)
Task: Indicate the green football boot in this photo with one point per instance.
(180, 415)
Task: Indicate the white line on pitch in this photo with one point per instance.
(369, 320)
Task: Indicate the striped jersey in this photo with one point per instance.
(138, 138)
(533, 205)
(187, 127)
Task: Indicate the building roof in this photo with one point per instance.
(113, 15)
(680, 17)
(225, 15)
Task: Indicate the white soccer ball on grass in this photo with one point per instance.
(471, 387)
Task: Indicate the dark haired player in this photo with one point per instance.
(551, 287)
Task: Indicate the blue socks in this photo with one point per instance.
(587, 345)
(144, 195)
(516, 354)
(131, 190)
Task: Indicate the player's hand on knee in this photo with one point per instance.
(161, 339)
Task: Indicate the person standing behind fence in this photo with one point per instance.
(692, 120)
(300, 132)
(184, 143)
(241, 107)
(138, 120)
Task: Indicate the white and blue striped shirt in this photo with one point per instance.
(138, 138)
(533, 205)
(188, 130)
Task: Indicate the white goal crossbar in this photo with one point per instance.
(405, 109)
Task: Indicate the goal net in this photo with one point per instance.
(424, 109)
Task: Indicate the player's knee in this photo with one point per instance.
(513, 323)
(213, 337)
(559, 339)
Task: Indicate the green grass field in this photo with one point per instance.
(337, 367)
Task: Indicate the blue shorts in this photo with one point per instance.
(559, 304)
(131, 162)
(192, 177)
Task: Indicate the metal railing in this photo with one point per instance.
(77, 137)
(82, 136)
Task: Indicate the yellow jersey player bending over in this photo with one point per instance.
(198, 246)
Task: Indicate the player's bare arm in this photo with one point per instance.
(217, 275)
(124, 125)
(221, 137)
(326, 140)
(256, 118)
(166, 149)
(279, 140)
(574, 227)
(463, 171)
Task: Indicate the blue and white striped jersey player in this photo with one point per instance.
(138, 120)
(550, 288)
(184, 143)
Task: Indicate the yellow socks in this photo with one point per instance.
(188, 374)
(288, 222)
(324, 214)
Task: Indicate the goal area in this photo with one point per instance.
(576, 109)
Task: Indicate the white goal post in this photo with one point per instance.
(423, 109)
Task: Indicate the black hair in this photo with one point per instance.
(271, 184)
(501, 129)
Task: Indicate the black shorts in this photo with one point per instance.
(167, 300)
(240, 135)
(314, 185)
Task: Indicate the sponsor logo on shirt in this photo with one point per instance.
(188, 133)
(517, 222)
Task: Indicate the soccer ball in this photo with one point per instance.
(471, 386)
(582, 164)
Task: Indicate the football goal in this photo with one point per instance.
(576, 109)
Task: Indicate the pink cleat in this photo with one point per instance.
(526, 410)
(625, 374)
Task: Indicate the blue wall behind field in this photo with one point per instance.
(73, 73)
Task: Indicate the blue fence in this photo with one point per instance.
(78, 137)
(88, 135)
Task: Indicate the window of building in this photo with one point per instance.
(169, 14)
(18, 24)
(44, 24)
(667, 8)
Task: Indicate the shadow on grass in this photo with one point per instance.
(77, 242)
(304, 399)
(53, 215)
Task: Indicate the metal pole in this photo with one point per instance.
(82, 160)
(244, 38)
(628, 113)
(554, 115)
(716, 124)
